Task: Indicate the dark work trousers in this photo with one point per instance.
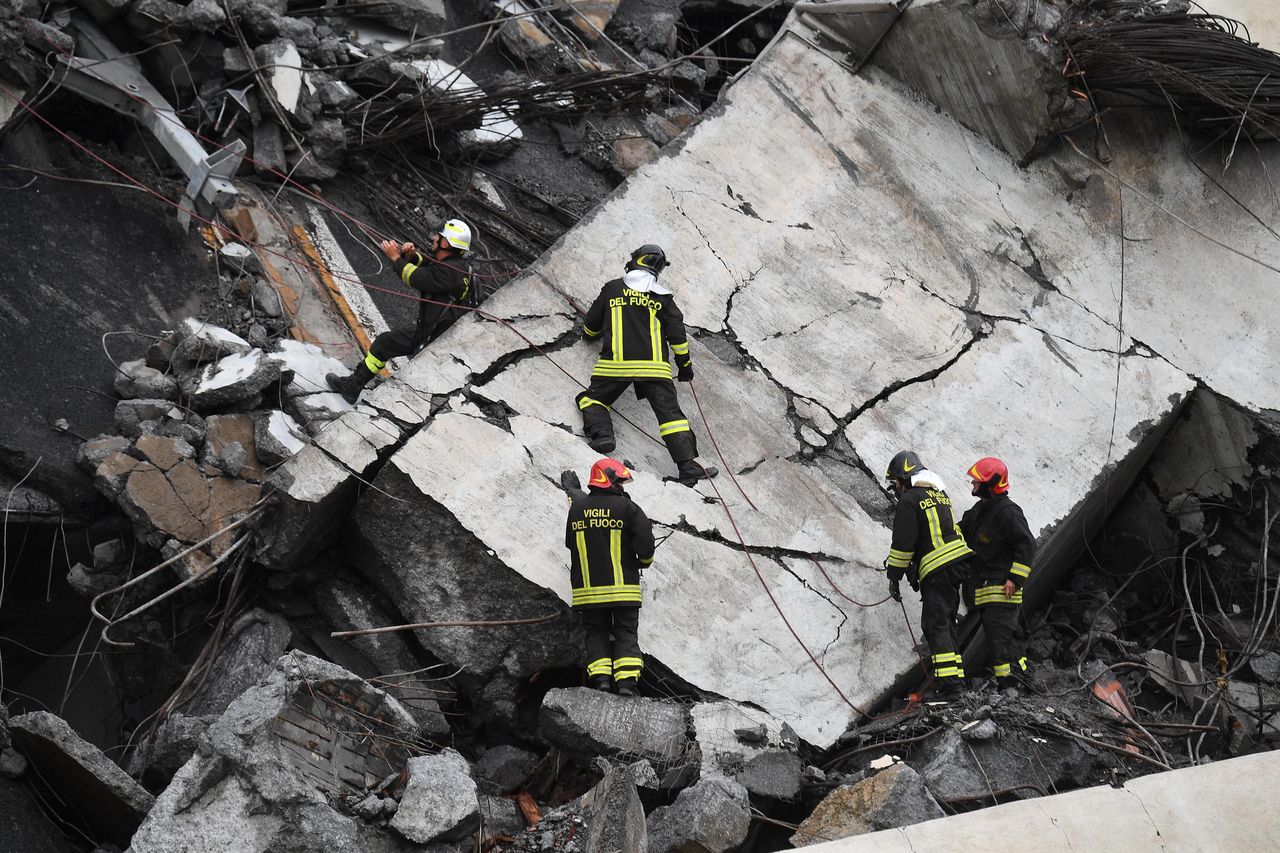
(612, 642)
(395, 343)
(1006, 638)
(941, 594)
(673, 426)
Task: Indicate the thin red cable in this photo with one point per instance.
(707, 426)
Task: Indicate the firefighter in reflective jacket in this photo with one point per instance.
(638, 323)
(610, 541)
(1003, 548)
(444, 278)
(928, 548)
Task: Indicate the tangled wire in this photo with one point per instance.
(1197, 64)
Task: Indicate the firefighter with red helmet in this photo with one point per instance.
(640, 327)
(610, 542)
(929, 549)
(1003, 548)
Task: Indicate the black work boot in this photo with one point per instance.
(601, 682)
(629, 687)
(948, 688)
(690, 472)
(349, 386)
(602, 443)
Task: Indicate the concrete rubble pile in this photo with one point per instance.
(866, 262)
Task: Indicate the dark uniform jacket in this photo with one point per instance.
(609, 540)
(1002, 544)
(924, 534)
(447, 281)
(636, 327)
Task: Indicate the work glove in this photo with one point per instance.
(915, 583)
(685, 374)
(895, 590)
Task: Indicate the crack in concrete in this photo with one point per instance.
(928, 376)
(744, 207)
(564, 340)
(1150, 819)
(772, 552)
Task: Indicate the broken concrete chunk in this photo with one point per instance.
(203, 16)
(231, 446)
(891, 798)
(12, 763)
(978, 730)
(268, 148)
(614, 815)
(590, 723)
(500, 816)
(309, 364)
(709, 817)
(174, 742)
(417, 17)
(504, 768)
(440, 801)
(747, 745)
(162, 451)
(135, 379)
(90, 583)
(590, 17)
(276, 437)
(91, 453)
(284, 72)
(107, 799)
(267, 769)
(253, 644)
(954, 768)
(202, 342)
(233, 379)
(130, 415)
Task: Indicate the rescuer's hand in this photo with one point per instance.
(685, 374)
(1009, 589)
(895, 590)
(391, 249)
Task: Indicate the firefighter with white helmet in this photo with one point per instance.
(443, 277)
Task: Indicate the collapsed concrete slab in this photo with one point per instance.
(891, 798)
(110, 802)
(749, 746)
(711, 816)
(900, 283)
(587, 722)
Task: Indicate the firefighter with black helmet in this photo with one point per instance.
(443, 278)
(639, 326)
(1003, 547)
(929, 549)
(610, 542)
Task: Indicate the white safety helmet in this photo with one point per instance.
(457, 234)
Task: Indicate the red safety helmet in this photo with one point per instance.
(608, 471)
(991, 471)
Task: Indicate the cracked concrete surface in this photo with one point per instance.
(863, 275)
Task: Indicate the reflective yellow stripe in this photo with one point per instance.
(949, 672)
(626, 675)
(591, 333)
(900, 559)
(631, 662)
(673, 426)
(644, 561)
(1000, 670)
(935, 527)
(1022, 662)
(582, 562)
(1020, 569)
(680, 349)
(616, 328)
(600, 666)
(628, 593)
(655, 335)
(407, 271)
(939, 557)
(615, 555)
(374, 363)
(995, 595)
(944, 657)
(636, 369)
(583, 402)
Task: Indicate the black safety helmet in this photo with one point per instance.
(648, 257)
(903, 465)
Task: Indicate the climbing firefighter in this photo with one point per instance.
(610, 542)
(1003, 547)
(444, 279)
(637, 321)
(928, 548)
